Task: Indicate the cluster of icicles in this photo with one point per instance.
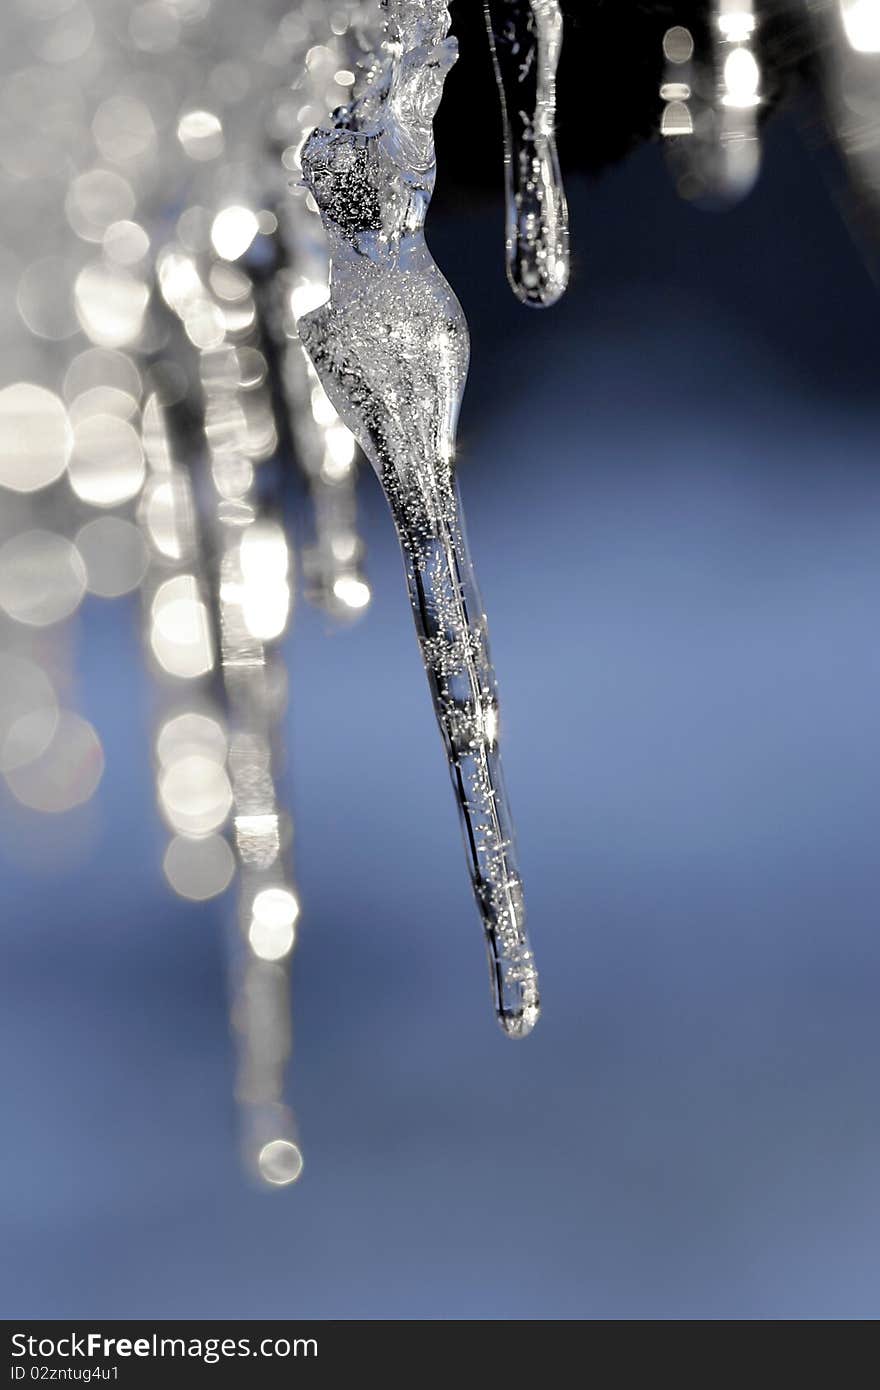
(289, 307)
(180, 227)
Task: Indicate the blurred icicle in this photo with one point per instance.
(848, 33)
(325, 66)
(737, 162)
(711, 107)
(252, 569)
(192, 739)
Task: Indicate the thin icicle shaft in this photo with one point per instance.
(526, 41)
(453, 636)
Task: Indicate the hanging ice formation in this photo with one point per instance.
(526, 40)
(139, 455)
(391, 349)
(677, 87)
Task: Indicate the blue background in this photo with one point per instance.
(673, 495)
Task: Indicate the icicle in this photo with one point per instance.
(252, 600)
(861, 24)
(526, 39)
(391, 348)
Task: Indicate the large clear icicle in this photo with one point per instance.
(526, 41)
(391, 349)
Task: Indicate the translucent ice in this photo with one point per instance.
(391, 350)
(526, 39)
